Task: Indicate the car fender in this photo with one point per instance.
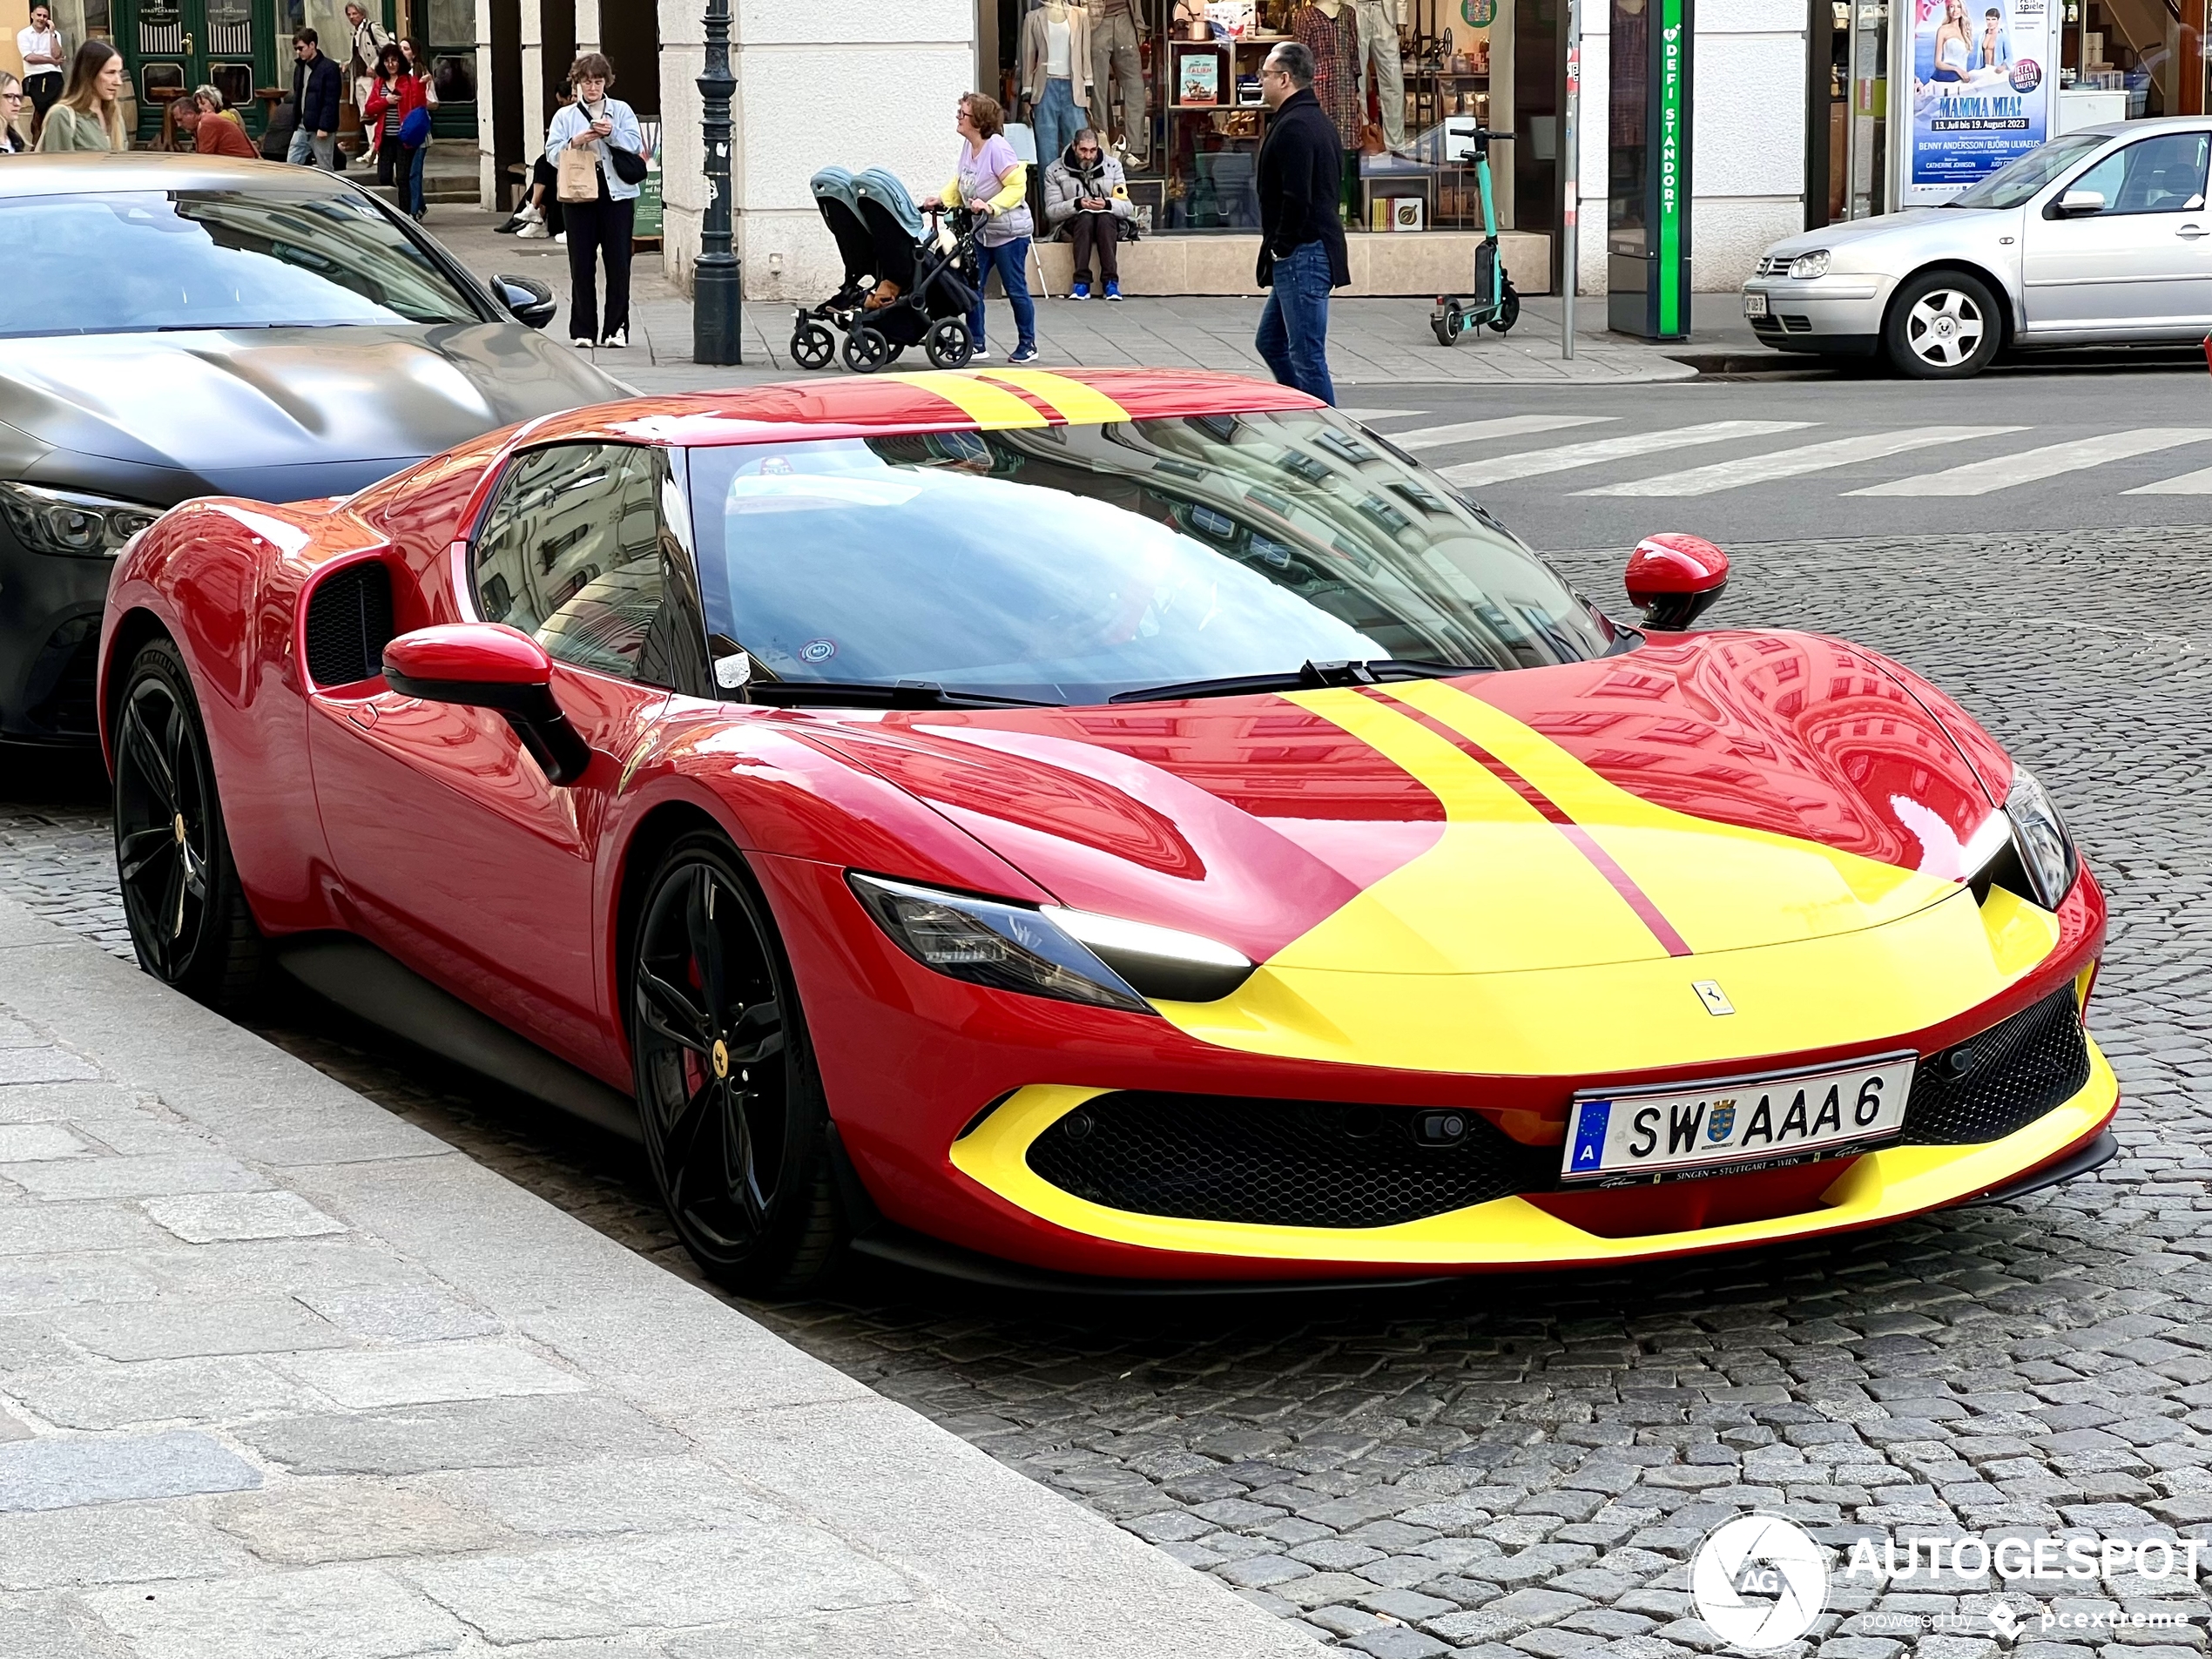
(2005, 288)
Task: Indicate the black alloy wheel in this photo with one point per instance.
(812, 346)
(948, 343)
(728, 1092)
(189, 920)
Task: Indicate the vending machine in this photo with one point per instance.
(1647, 225)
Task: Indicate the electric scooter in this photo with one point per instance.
(1494, 302)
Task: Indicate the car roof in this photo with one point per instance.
(934, 400)
(2136, 129)
(65, 174)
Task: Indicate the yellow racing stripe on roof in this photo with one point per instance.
(1077, 403)
(992, 407)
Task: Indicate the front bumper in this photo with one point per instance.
(1840, 314)
(50, 623)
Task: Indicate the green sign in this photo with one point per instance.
(1674, 180)
(1480, 14)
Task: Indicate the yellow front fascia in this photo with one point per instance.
(1512, 1232)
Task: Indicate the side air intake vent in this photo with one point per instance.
(349, 622)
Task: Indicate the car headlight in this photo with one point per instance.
(2045, 850)
(1047, 951)
(1806, 267)
(70, 522)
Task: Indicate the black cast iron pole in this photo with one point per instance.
(717, 295)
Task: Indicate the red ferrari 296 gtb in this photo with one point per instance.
(1130, 824)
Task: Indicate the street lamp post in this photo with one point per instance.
(718, 295)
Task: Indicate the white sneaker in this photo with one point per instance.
(531, 214)
(563, 239)
(979, 355)
(532, 228)
(580, 342)
(617, 340)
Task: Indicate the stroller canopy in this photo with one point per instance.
(881, 188)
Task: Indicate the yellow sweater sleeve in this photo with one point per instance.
(1012, 188)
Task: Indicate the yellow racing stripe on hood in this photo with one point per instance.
(1077, 403)
(1722, 885)
(992, 407)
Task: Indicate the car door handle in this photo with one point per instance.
(2190, 232)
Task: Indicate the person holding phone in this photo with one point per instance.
(605, 128)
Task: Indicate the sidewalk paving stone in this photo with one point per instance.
(305, 1382)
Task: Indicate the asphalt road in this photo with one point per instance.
(1529, 1462)
(2081, 440)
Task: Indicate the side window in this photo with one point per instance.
(575, 553)
(2160, 175)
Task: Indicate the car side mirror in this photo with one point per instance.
(529, 300)
(1674, 578)
(2080, 204)
(489, 665)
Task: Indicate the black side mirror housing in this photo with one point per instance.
(531, 300)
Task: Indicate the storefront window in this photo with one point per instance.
(2122, 60)
(1435, 71)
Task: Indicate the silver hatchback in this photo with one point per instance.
(2098, 236)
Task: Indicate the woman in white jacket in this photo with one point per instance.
(601, 126)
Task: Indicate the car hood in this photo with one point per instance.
(1718, 793)
(1914, 224)
(279, 414)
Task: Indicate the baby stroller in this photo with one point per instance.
(906, 284)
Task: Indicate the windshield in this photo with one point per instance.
(2015, 182)
(1070, 564)
(139, 261)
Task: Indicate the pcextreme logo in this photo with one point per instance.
(1759, 1581)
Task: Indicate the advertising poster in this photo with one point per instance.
(1983, 89)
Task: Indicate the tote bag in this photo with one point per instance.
(579, 175)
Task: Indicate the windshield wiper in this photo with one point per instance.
(1308, 677)
(904, 694)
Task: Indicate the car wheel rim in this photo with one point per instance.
(161, 828)
(1944, 328)
(711, 1035)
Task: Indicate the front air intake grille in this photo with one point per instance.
(1283, 1162)
(2002, 1080)
(349, 622)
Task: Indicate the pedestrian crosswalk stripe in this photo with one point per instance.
(2034, 466)
(2185, 483)
(1792, 463)
(1530, 464)
(1372, 415)
(1505, 426)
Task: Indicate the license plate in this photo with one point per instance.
(1782, 1117)
(1754, 305)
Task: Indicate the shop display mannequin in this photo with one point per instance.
(1055, 75)
(1330, 30)
(1380, 67)
(1116, 67)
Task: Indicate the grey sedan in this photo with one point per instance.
(176, 326)
(2098, 236)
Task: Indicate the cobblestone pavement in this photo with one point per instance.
(1519, 1468)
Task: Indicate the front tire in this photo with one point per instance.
(736, 1131)
(189, 920)
(1508, 312)
(1943, 325)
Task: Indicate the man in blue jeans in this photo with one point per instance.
(1301, 241)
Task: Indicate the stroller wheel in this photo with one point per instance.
(812, 346)
(866, 350)
(1508, 311)
(1446, 327)
(948, 344)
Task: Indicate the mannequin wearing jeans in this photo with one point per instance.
(1055, 73)
(1381, 70)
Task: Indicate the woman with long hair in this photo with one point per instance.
(418, 62)
(1955, 44)
(601, 127)
(89, 116)
(12, 98)
(396, 95)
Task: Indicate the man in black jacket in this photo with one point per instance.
(1301, 241)
(315, 93)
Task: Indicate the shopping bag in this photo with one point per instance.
(579, 175)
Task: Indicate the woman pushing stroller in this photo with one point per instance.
(995, 182)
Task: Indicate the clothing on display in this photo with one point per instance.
(1331, 31)
(1380, 70)
(1055, 73)
(1118, 69)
